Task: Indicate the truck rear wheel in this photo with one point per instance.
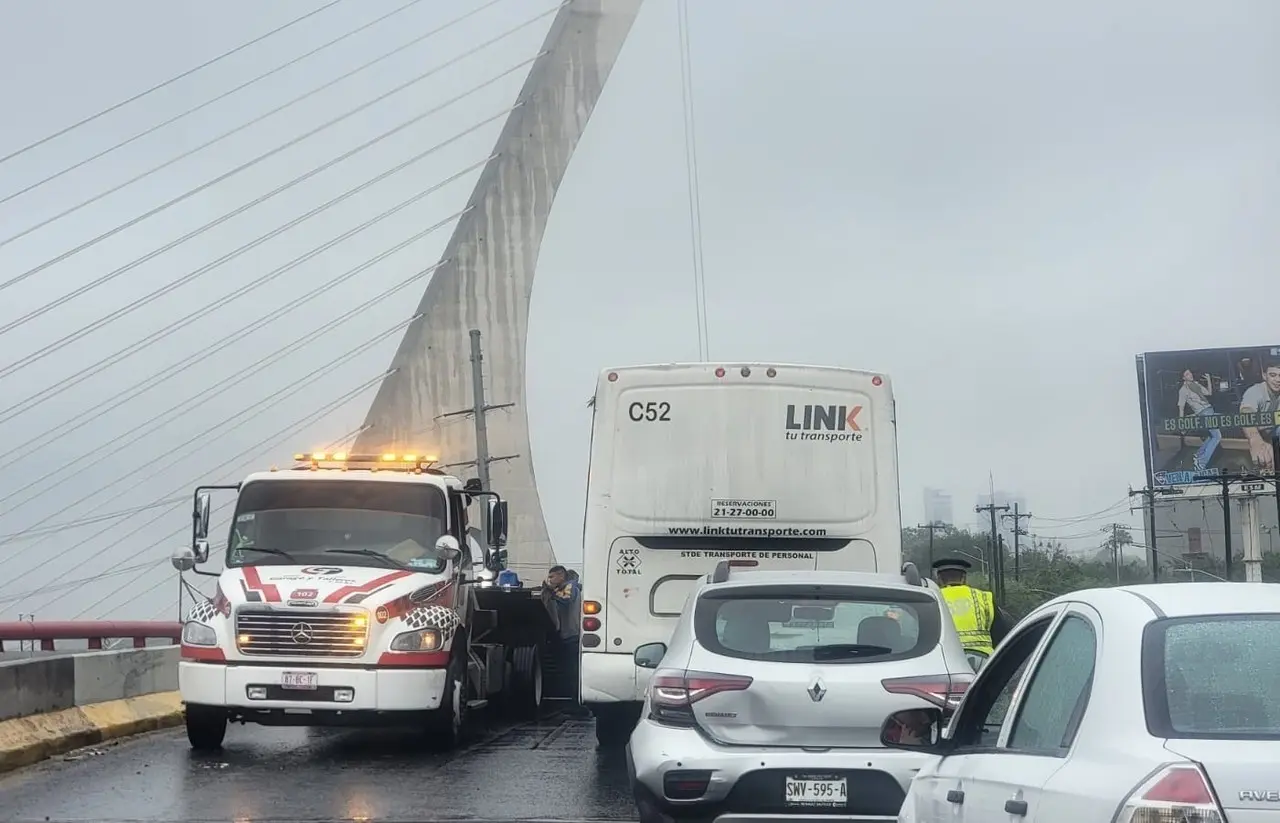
(524, 688)
(206, 727)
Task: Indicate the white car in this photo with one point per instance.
(770, 699)
(1134, 704)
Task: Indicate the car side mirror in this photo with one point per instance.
(200, 552)
(497, 523)
(184, 560)
(448, 549)
(918, 730)
(650, 655)
(201, 515)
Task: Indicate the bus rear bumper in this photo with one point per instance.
(612, 677)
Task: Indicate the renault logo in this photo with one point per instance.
(816, 690)
(302, 633)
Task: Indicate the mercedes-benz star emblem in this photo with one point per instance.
(816, 690)
(302, 633)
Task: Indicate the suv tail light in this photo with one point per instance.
(672, 693)
(942, 690)
(1180, 793)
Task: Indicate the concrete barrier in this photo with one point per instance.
(51, 705)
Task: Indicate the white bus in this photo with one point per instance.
(769, 465)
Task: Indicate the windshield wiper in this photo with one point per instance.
(265, 550)
(371, 553)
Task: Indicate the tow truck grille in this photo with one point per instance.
(301, 634)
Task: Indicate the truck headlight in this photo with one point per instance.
(198, 634)
(426, 640)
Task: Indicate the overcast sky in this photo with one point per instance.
(998, 204)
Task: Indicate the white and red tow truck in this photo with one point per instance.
(349, 597)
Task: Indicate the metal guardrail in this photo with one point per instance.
(20, 633)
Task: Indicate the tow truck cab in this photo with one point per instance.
(348, 597)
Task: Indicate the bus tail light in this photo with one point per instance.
(591, 607)
(591, 623)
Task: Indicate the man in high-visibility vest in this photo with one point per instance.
(980, 623)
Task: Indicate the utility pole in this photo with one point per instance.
(1018, 531)
(997, 564)
(1148, 496)
(1226, 522)
(478, 411)
(1115, 546)
(932, 527)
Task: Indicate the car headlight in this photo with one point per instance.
(198, 634)
(426, 640)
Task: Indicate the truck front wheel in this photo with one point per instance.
(447, 726)
(206, 727)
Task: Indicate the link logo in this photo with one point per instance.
(826, 423)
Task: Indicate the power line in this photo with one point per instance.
(52, 391)
(44, 309)
(157, 421)
(286, 432)
(251, 412)
(153, 129)
(243, 166)
(168, 82)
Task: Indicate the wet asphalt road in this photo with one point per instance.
(547, 770)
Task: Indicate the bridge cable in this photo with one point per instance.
(82, 581)
(249, 413)
(32, 446)
(243, 166)
(151, 425)
(691, 170)
(52, 391)
(44, 309)
(222, 470)
(241, 457)
(6, 158)
(158, 126)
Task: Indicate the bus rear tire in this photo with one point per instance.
(206, 728)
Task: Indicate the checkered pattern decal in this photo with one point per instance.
(202, 612)
(434, 617)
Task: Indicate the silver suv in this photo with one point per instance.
(771, 697)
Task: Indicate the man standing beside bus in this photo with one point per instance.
(980, 623)
(562, 596)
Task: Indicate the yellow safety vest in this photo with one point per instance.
(973, 612)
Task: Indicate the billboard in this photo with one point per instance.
(1209, 413)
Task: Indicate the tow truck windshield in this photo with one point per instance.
(291, 522)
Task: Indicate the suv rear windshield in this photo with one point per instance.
(1213, 677)
(817, 624)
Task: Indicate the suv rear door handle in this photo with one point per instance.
(955, 796)
(1016, 807)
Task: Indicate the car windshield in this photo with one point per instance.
(841, 626)
(1217, 675)
(326, 521)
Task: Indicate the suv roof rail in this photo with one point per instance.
(912, 575)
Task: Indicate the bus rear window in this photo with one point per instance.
(1213, 677)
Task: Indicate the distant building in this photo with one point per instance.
(937, 507)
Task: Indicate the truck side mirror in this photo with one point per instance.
(201, 516)
(497, 523)
(200, 552)
(448, 549)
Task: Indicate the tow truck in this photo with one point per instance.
(350, 596)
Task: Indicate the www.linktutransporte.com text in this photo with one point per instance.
(746, 531)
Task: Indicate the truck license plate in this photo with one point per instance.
(299, 680)
(817, 792)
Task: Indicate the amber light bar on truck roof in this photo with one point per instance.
(407, 462)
